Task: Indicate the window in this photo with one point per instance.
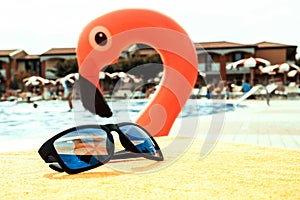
(237, 56)
(33, 66)
(208, 62)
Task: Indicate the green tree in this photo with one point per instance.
(127, 64)
(66, 67)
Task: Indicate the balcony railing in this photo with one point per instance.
(215, 67)
(243, 70)
(209, 67)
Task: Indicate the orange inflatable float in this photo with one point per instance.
(102, 41)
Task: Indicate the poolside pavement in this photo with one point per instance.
(276, 125)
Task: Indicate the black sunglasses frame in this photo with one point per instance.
(49, 154)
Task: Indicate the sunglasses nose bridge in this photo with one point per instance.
(112, 127)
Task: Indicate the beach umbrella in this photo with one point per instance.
(293, 73)
(157, 78)
(116, 75)
(280, 68)
(122, 75)
(72, 77)
(102, 75)
(50, 82)
(111, 75)
(126, 79)
(249, 63)
(68, 78)
(134, 78)
(67, 82)
(137, 79)
(154, 80)
(268, 69)
(287, 69)
(35, 81)
(252, 63)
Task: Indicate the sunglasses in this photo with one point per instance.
(85, 147)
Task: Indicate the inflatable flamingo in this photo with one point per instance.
(102, 41)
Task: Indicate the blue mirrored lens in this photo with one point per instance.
(83, 147)
(139, 138)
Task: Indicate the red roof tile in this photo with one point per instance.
(266, 44)
(58, 51)
(220, 44)
(6, 52)
(29, 57)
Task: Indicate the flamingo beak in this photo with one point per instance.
(92, 99)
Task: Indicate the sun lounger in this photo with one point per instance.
(292, 90)
(258, 90)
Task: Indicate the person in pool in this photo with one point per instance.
(246, 87)
(68, 90)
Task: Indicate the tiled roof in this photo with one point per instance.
(265, 44)
(220, 44)
(7, 52)
(29, 57)
(59, 51)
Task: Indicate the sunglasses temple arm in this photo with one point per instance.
(124, 155)
(45, 152)
(56, 167)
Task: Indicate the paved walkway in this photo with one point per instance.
(278, 141)
(277, 125)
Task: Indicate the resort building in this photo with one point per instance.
(50, 58)
(9, 63)
(213, 57)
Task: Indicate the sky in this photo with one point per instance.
(37, 26)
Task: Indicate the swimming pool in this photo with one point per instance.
(23, 126)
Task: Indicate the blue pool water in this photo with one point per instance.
(22, 125)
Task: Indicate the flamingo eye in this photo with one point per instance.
(100, 38)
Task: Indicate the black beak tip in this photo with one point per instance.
(93, 99)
